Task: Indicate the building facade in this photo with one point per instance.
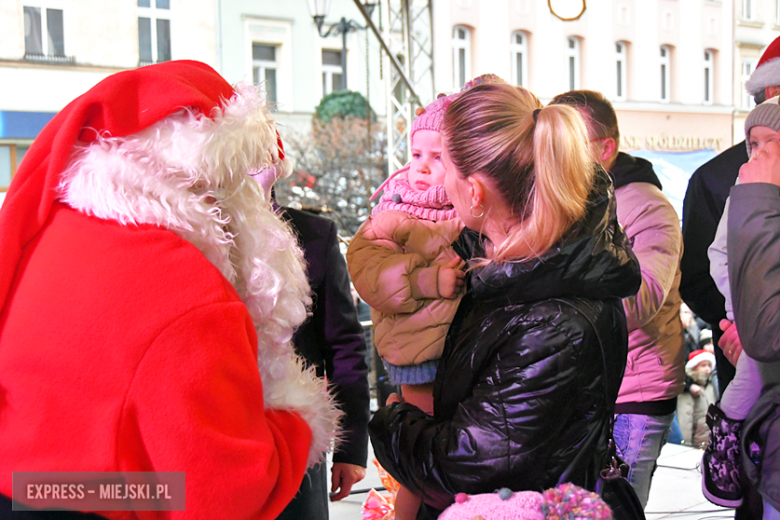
(756, 25)
(665, 64)
(674, 69)
(54, 50)
(276, 44)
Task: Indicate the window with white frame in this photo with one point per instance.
(461, 55)
(44, 29)
(777, 12)
(748, 66)
(573, 62)
(620, 71)
(666, 83)
(264, 67)
(709, 66)
(11, 155)
(332, 71)
(154, 31)
(519, 50)
(749, 9)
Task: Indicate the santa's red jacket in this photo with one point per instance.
(103, 319)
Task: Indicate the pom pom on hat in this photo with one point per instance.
(570, 502)
(767, 73)
(699, 356)
(482, 80)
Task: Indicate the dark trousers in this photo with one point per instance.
(311, 502)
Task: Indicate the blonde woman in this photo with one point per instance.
(519, 398)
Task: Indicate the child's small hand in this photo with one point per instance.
(696, 390)
(451, 279)
(764, 166)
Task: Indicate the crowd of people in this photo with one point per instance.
(160, 312)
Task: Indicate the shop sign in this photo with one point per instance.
(670, 142)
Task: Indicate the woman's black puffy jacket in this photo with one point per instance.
(519, 396)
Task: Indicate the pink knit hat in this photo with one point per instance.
(566, 501)
(433, 116)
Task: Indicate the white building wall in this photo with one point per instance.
(645, 79)
(688, 28)
(643, 25)
(12, 29)
(289, 25)
(100, 38)
(103, 39)
(751, 37)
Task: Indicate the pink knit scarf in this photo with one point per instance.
(431, 204)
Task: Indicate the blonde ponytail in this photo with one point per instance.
(542, 168)
(564, 176)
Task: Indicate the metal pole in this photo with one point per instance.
(393, 60)
(344, 30)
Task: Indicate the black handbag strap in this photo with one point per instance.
(613, 469)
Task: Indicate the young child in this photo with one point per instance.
(721, 466)
(700, 392)
(402, 265)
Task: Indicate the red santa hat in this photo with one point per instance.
(120, 105)
(767, 73)
(699, 356)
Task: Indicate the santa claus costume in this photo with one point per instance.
(143, 281)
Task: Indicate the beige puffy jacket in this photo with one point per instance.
(394, 262)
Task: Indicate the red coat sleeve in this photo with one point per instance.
(196, 405)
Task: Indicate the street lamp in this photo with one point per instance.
(319, 10)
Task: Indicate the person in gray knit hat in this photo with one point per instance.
(721, 466)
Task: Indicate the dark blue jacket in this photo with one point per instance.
(332, 339)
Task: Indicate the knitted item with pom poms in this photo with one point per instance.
(570, 502)
(565, 502)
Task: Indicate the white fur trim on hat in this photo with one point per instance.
(699, 358)
(767, 75)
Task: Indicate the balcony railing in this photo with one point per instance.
(50, 58)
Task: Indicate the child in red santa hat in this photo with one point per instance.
(700, 392)
(143, 281)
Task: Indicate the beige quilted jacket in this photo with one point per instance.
(394, 262)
